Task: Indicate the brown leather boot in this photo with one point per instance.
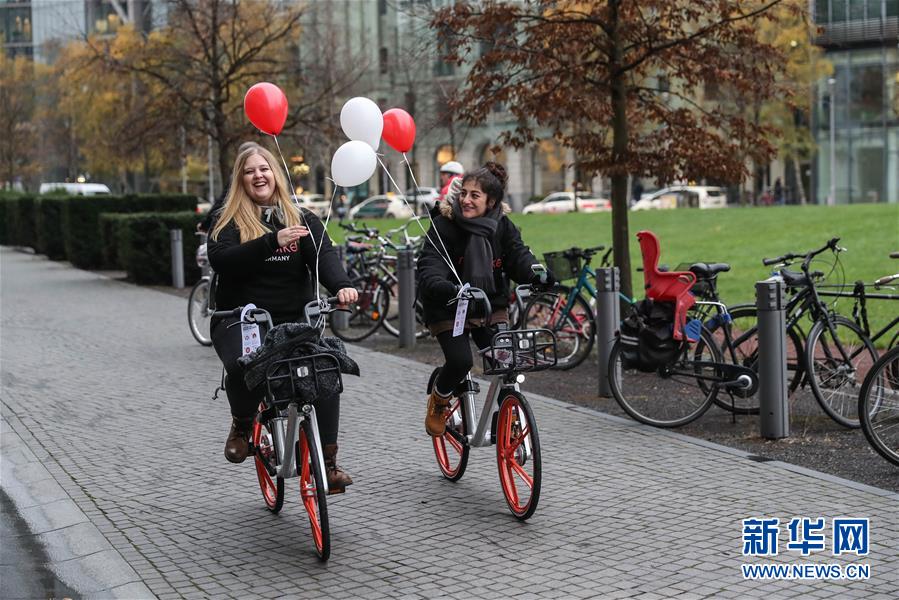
(435, 420)
(338, 479)
(237, 446)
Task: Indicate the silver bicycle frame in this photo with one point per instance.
(289, 468)
(482, 435)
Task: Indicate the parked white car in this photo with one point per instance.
(563, 202)
(75, 189)
(422, 199)
(314, 203)
(388, 206)
(683, 196)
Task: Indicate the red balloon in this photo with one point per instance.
(266, 107)
(399, 129)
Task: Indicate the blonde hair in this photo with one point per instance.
(241, 209)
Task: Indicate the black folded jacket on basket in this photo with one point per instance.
(296, 340)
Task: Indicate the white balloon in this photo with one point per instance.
(361, 119)
(353, 163)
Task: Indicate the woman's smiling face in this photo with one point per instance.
(258, 179)
(472, 200)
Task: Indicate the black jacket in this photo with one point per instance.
(280, 280)
(511, 260)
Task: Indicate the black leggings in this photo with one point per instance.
(457, 352)
(244, 402)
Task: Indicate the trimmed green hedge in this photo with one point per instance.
(81, 221)
(20, 229)
(48, 226)
(144, 247)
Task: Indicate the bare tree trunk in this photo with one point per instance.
(798, 171)
(620, 236)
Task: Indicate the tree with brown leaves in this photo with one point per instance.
(620, 82)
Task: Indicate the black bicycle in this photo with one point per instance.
(837, 354)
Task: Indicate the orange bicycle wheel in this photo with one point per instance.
(312, 491)
(518, 455)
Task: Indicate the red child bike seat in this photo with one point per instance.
(667, 286)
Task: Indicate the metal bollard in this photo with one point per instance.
(773, 400)
(340, 319)
(406, 276)
(175, 236)
(608, 316)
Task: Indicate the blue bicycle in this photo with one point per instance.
(567, 312)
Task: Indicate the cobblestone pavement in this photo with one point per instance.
(103, 382)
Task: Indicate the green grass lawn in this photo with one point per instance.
(738, 236)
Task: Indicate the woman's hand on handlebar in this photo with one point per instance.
(347, 295)
(288, 235)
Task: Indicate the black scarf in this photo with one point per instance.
(477, 268)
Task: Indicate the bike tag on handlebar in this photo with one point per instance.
(461, 311)
(249, 332)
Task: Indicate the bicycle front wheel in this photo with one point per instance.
(518, 455)
(739, 344)
(573, 325)
(312, 489)
(878, 406)
(264, 453)
(837, 358)
(672, 395)
(198, 313)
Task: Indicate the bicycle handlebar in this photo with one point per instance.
(808, 256)
(476, 296)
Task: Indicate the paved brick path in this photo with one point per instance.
(103, 383)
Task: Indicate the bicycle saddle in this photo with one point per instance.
(358, 247)
(794, 278)
(706, 270)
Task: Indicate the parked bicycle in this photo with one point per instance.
(837, 354)
(201, 302)
(566, 311)
(506, 418)
(373, 272)
(665, 371)
(285, 441)
(878, 406)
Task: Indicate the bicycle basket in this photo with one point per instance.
(307, 379)
(519, 351)
(563, 267)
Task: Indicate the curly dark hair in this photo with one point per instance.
(492, 178)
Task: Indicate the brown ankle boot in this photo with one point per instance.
(237, 446)
(338, 479)
(435, 420)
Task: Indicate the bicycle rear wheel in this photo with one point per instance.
(367, 313)
(312, 489)
(264, 453)
(672, 395)
(198, 314)
(878, 406)
(836, 381)
(743, 350)
(573, 325)
(451, 449)
(518, 455)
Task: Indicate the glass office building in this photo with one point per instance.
(856, 117)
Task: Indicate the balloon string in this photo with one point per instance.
(440, 239)
(445, 256)
(303, 218)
